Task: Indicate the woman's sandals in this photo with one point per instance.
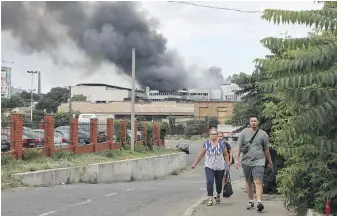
(217, 200)
(210, 202)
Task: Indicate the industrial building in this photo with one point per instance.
(225, 92)
(102, 93)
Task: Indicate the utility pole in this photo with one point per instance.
(39, 83)
(31, 93)
(133, 99)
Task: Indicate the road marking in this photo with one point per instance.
(131, 189)
(112, 194)
(47, 213)
(81, 203)
(191, 210)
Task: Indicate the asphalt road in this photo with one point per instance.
(169, 196)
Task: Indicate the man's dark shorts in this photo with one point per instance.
(253, 173)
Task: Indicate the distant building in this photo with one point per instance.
(122, 109)
(102, 93)
(225, 92)
(187, 94)
(228, 91)
(6, 81)
(222, 110)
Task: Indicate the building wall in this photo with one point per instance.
(190, 94)
(104, 93)
(100, 93)
(222, 110)
(124, 108)
(228, 92)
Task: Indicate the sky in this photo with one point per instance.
(203, 37)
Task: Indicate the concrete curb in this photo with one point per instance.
(115, 171)
(191, 210)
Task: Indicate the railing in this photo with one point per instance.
(115, 135)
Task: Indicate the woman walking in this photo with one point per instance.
(216, 157)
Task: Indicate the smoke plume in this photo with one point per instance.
(105, 31)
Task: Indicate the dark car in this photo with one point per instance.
(5, 143)
(32, 139)
(83, 135)
(27, 142)
(83, 138)
(183, 147)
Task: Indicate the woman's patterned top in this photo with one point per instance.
(214, 158)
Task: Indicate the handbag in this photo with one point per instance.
(227, 188)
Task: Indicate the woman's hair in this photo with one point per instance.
(213, 129)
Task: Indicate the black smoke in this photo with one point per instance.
(105, 31)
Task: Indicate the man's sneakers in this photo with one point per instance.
(250, 205)
(260, 207)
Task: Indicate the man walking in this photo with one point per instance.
(254, 146)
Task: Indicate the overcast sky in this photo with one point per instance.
(203, 37)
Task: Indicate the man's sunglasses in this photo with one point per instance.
(214, 134)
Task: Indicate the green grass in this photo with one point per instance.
(33, 161)
(182, 137)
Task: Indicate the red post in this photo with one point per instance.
(49, 134)
(327, 208)
(93, 133)
(16, 135)
(73, 142)
(124, 127)
(110, 132)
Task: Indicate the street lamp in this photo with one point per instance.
(31, 95)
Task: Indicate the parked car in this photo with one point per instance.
(83, 138)
(183, 147)
(84, 135)
(32, 139)
(27, 142)
(5, 143)
(59, 140)
(139, 135)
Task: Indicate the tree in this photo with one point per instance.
(53, 99)
(4, 104)
(26, 96)
(13, 102)
(304, 131)
(80, 97)
(253, 100)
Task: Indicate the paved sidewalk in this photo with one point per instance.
(236, 205)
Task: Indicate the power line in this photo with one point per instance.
(218, 8)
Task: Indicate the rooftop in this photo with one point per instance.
(108, 86)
